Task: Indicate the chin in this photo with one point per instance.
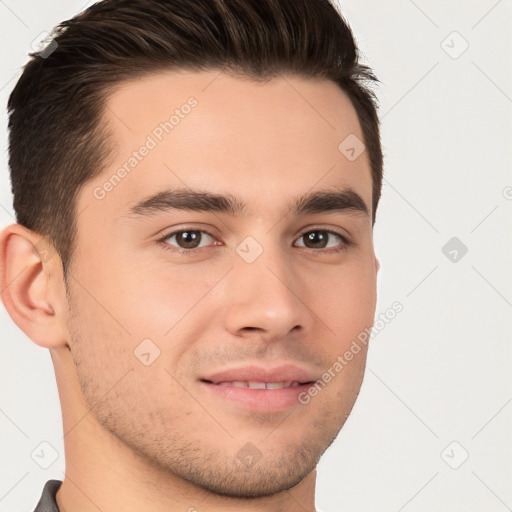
(267, 475)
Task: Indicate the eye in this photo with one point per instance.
(324, 239)
(186, 240)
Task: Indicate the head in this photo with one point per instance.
(189, 216)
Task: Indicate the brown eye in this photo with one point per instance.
(322, 239)
(315, 239)
(187, 239)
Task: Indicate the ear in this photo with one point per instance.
(32, 286)
(377, 264)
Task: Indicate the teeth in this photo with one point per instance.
(277, 385)
(259, 385)
(256, 385)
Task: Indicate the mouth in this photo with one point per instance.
(259, 389)
(259, 385)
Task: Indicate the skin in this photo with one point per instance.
(149, 437)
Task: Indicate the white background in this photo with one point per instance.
(441, 370)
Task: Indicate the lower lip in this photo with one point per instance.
(261, 400)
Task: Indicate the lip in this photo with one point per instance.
(259, 400)
(282, 373)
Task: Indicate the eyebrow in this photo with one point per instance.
(344, 200)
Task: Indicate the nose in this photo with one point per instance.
(267, 299)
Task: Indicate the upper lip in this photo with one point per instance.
(254, 373)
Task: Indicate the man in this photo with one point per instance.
(195, 185)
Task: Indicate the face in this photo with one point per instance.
(201, 323)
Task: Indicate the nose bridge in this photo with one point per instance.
(265, 291)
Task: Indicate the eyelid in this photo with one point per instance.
(336, 231)
(209, 230)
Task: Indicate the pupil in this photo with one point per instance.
(188, 239)
(316, 237)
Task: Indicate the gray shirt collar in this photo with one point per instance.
(47, 502)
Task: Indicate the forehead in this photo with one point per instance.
(209, 130)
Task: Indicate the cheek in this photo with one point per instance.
(141, 299)
(344, 299)
(112, 368)
(160, 303)
(100, 352)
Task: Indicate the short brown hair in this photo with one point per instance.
(56, 140)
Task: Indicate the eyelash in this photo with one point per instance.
(190, 252)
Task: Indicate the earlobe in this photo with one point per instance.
(377, 264)
(25, 286)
